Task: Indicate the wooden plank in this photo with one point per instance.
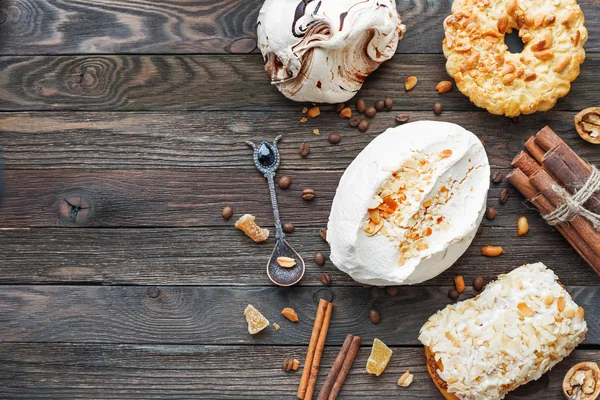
(214, 315)
(75, 371)
(153, 26)
(216, 82)
(133, 140)
(224, 256)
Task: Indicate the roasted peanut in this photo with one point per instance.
(522, 226)
(492, 251)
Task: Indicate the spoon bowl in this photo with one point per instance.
(285, 276)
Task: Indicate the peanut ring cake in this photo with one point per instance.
(514, 83)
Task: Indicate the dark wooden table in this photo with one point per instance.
(123, 125)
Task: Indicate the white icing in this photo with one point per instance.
(322, 51)
(374, 259)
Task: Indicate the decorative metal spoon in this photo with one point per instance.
(266, 160)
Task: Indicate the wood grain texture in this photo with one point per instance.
(75, 371)
(214, 315)
(170, 140)
(154, 26)
(224, 256)
(218, 82)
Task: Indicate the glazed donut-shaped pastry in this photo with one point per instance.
(514, 83)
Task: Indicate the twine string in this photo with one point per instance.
(572, 206)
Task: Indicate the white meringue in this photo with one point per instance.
(439, 174)
(323, 50)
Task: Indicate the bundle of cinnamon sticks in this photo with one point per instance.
(539, 177)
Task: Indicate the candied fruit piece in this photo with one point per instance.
(379, 358)
(256, 321)
(248, 226)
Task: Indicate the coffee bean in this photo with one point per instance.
(379, 105)
(334, 138)
(288, 227)
(490, 213)
(308, 194)
(304, 149)
(375, 316)
(478, 283)
(401, 118)
(325, 278)
(320, 258)
(388, 103)
(392, 291)
(339, 107)
(480, 229)
(361, 106)
(370, 112)
(453, 294)
(285, 182)
(323, 233)
(354, 121)
(497, 177)
(437, 108)
(503, 196)
(227, 212)
(363, 126)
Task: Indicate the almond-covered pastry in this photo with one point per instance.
(410, 204)
(322, 51)
(514, 83)
(517, 329)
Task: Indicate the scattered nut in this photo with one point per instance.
(438, 108)
(582, 382)
(325, 278)
(285, 182)
(288, 227)
(276, 326)
(286, 262)
(410, 83)
(334, 138)
(227, 212)
(308, 194)
(323, 233)
(354, 121)
(406, 379)
(290, 364)
(389, 103)
(316, 131)
(339, 107)
(522, 226)
(304, 110)
(363, 126)
(459, 282)
(490, 213)
(497, 177)
(290, 314)
(503, 196)
(402, 118)
(587, 123)
(320, 258)
(304, 149)
(478, 283)
(443, 87)
(453, 294)
(346, 113)
(375, 316)
(492, 251)
(379, 105)
(370, 112)
(392, 291)
(313, 112)
(361, 106)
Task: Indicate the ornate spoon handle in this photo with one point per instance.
(279, 235)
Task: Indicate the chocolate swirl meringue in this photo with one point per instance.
(323, 50)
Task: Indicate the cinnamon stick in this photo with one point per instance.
(335, 369)
(546, 138)
(316, 363)
(312, 346)
(536, 151)
(559, 166)
(545, 185)
(522, 183)
(525, 163)
(339, 382)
